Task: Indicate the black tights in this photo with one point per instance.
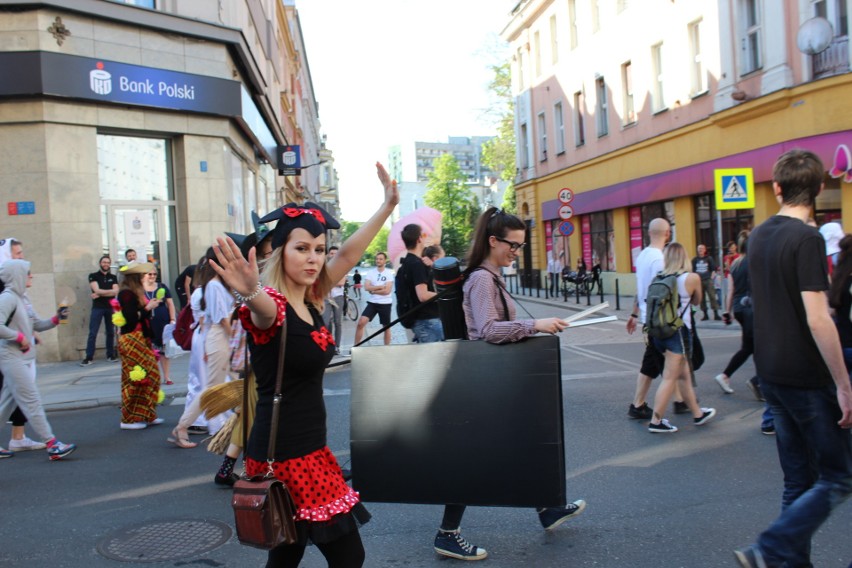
(452, 517)
(746, 319)
(345, 552)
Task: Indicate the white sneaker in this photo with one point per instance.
(155, 422)
(25, 444)
(134, 425)
(724, 384)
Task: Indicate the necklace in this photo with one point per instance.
(152, 294)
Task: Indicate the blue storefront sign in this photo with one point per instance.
(45, 73)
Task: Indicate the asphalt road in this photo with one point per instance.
(682, 500)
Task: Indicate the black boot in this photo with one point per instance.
(716, 315)
(705, 318)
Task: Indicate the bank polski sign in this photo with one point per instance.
(24, 73)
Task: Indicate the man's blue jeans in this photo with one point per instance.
(816, 457)
(428, 330)
(97, 315)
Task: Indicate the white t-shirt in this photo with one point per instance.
(376, 278)
(648, 264)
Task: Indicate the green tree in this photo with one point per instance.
(378, 244)
(448, 194)
(347, 228)
(499, 152)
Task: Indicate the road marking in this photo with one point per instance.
(601, 357)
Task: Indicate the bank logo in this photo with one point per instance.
(100, 81)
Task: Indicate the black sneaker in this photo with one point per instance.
(754, 386)
(85, 362)
(643, 412)
(750, 557)
(768, 430)
(227, 480)
(552, 517)
(112, 359)
(681, 408)
(453, 544)
(202, 430)
(707, 414)
(662, 428)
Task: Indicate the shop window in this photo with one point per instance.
(132, 168)
(598, 240)
(707, 227)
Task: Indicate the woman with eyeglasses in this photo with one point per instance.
(489, 313)
(162, 315)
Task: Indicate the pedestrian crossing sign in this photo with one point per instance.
(734, 188)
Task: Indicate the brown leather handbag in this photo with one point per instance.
(264, 512)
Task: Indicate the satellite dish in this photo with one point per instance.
(814, 36)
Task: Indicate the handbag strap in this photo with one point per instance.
(276, 401)
(244, 409)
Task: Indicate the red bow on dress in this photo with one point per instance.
(296, 211)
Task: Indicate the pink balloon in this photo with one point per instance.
(429, 220)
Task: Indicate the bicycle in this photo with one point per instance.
(350, 307)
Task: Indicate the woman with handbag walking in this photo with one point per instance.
(489, 314)
(297, 280)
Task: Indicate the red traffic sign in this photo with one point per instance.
(565, 195)
(566, 212)
(566, 228)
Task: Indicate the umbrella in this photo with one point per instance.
(429, 220)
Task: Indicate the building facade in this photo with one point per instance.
(145, 125)
(634, 105)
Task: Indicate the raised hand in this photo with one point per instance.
(391, 190)
(240, 274)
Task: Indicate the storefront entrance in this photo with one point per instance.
(147, 229)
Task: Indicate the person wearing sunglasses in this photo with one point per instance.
(489, 314)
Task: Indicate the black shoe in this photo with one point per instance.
(754, 386)
(768, 430)
(85, 362)
(706, 415)
(197, 430)
(643, 412)
(716, 316)
(552, 517)
(681, 408)
(454, 545)
(227, 480)
(705, 318)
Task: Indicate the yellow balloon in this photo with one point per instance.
(161, 396)
(118, 319)
(161, 293)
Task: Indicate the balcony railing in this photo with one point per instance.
(834, 60)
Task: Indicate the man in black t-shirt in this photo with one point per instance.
(183, 285)
(104, 285)
(704, 266)
(427, 326)
(799, 360)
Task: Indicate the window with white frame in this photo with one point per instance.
(554, 41)
(751, 36)
(602, 110)
(559, 127)
(579, 122)
(525, 147)
(697, 73)
(537, 47)
(572, 22)
(657, 92)
(629, 110)
(542, 137)
(596, 16)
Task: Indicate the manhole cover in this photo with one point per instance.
(164, 540)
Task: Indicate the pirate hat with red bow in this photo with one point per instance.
(310, 216)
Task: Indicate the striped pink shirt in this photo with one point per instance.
(483, 309)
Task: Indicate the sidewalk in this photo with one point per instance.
(68, 386)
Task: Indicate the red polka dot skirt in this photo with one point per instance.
(315, 482)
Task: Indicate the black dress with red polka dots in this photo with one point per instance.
(327, 507)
